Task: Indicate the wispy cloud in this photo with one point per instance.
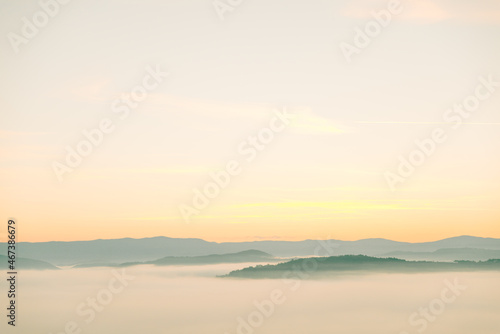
(96, 89)
(7, 133)
(171, 170)
(357, 206)
(335, 205)
(405, 122)
(306, 121)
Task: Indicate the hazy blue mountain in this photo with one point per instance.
(240, 257)
(112, 250)
(449, 254)
(356, 264)
(23, 263)
(147, 249)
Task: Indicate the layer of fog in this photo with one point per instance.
(189, 299)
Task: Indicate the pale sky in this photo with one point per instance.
(321, 177)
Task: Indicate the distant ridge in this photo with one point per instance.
(243, 256)
(449, 254)
(148, 249)
(240, 257)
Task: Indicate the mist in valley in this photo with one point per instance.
(191, 299)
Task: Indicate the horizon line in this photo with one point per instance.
(259, 240)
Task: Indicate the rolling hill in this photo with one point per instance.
(24, 263)
(356, 264)
(240, 257)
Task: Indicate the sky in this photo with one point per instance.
(231, 74)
